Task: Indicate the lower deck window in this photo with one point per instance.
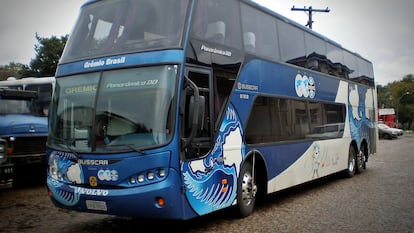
(281, 119)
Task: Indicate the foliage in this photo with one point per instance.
(384, 97)
(12, 70)
(400, 96)
(48, 53)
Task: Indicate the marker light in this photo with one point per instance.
(141, 178)
(132, 180)
(160, 202)
(150, 175)
(9, 150)
(161, 172)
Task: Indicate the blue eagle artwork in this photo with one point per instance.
(211, 182)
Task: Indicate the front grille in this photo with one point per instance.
(28, 145)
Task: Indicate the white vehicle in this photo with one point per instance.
(387, 132)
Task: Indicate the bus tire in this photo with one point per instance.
(246, 190)
(360, 160)
(351, 168)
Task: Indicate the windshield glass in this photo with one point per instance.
(9, 106)
(114, 110)
(107, 28)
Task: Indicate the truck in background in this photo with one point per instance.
(44, 86)
(6, 168)
(23, 127)
(387, 116)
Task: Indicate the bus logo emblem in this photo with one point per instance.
(305, 86)
(93, 181)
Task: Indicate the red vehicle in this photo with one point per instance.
(387, 116)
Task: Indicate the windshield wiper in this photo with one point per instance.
(130, 146)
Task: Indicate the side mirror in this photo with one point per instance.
(195, 112)
(196, 118)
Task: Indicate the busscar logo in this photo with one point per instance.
(94, 162)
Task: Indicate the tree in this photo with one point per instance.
(384, 97)
(12, 70)
(48, 52)
(403, 99)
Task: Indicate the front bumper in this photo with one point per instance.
(6, 175)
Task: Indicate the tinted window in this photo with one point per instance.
(280, 119)
(315, 45)
(113, 27)
(218, 21)
(259, 33)
(292, 42)
(365, 68)
(351, 62)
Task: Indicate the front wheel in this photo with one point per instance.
(246, 190)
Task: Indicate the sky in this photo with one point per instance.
(379, 30)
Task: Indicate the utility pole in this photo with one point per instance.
(310, 11)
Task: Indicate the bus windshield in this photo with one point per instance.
(17, 106)
(114, 110)
(114, 27)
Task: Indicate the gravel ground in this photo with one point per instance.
(381, 199)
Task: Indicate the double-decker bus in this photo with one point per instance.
(176, 109)
(44, 86)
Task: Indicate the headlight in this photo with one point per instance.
(53, 168)
(149, 176)
(3, 149)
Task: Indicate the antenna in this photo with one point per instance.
(310, 11)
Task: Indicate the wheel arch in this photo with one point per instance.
(364, 144)
(354, 145)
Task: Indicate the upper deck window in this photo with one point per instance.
(218, 21)
(107, 28)
(260, 33)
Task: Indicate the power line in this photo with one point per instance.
(310, 11)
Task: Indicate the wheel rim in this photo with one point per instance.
(360, 159)
(351, 165)
(249, 189)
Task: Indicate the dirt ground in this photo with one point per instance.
(330, 205)
(27, 207)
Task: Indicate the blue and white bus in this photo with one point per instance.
(175, 109)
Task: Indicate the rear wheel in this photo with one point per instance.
(247, 189)
(361, 160)
(350, 171)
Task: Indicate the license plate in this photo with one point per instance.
(96, 205)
